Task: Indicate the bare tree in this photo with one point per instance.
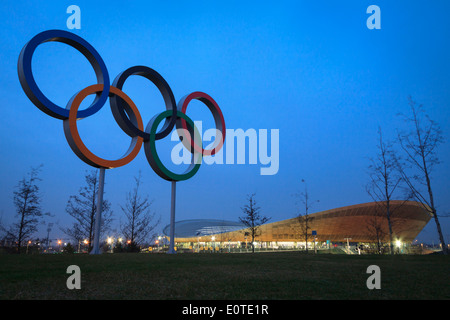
(140, 221)
(83, 206)
(384, 181)
(304, 219)
(27, 201)
(420, 147)
(253, 219)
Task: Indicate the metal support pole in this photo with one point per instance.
(98, 214)
(172, 220)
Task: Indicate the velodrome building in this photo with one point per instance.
(361, 223)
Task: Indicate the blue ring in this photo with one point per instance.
(35, 94)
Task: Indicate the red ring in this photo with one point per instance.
(218, 119)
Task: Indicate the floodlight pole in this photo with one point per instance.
(172, 220)
(98, 214)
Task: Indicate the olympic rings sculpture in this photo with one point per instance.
(123, 108)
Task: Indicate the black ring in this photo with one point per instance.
(118, 109)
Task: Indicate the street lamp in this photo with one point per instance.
(28, 243)
(85, 242)
(398, 243)
(159, 240)
(110, 242)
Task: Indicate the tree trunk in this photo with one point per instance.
(388, 214)
(433, 208)
(441, 237)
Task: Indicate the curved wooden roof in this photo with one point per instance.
(357, 222)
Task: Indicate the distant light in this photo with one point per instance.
(398, 243)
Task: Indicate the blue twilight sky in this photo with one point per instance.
(311, 69)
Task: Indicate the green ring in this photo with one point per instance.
(153, 158)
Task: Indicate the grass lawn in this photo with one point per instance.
(275, 276)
